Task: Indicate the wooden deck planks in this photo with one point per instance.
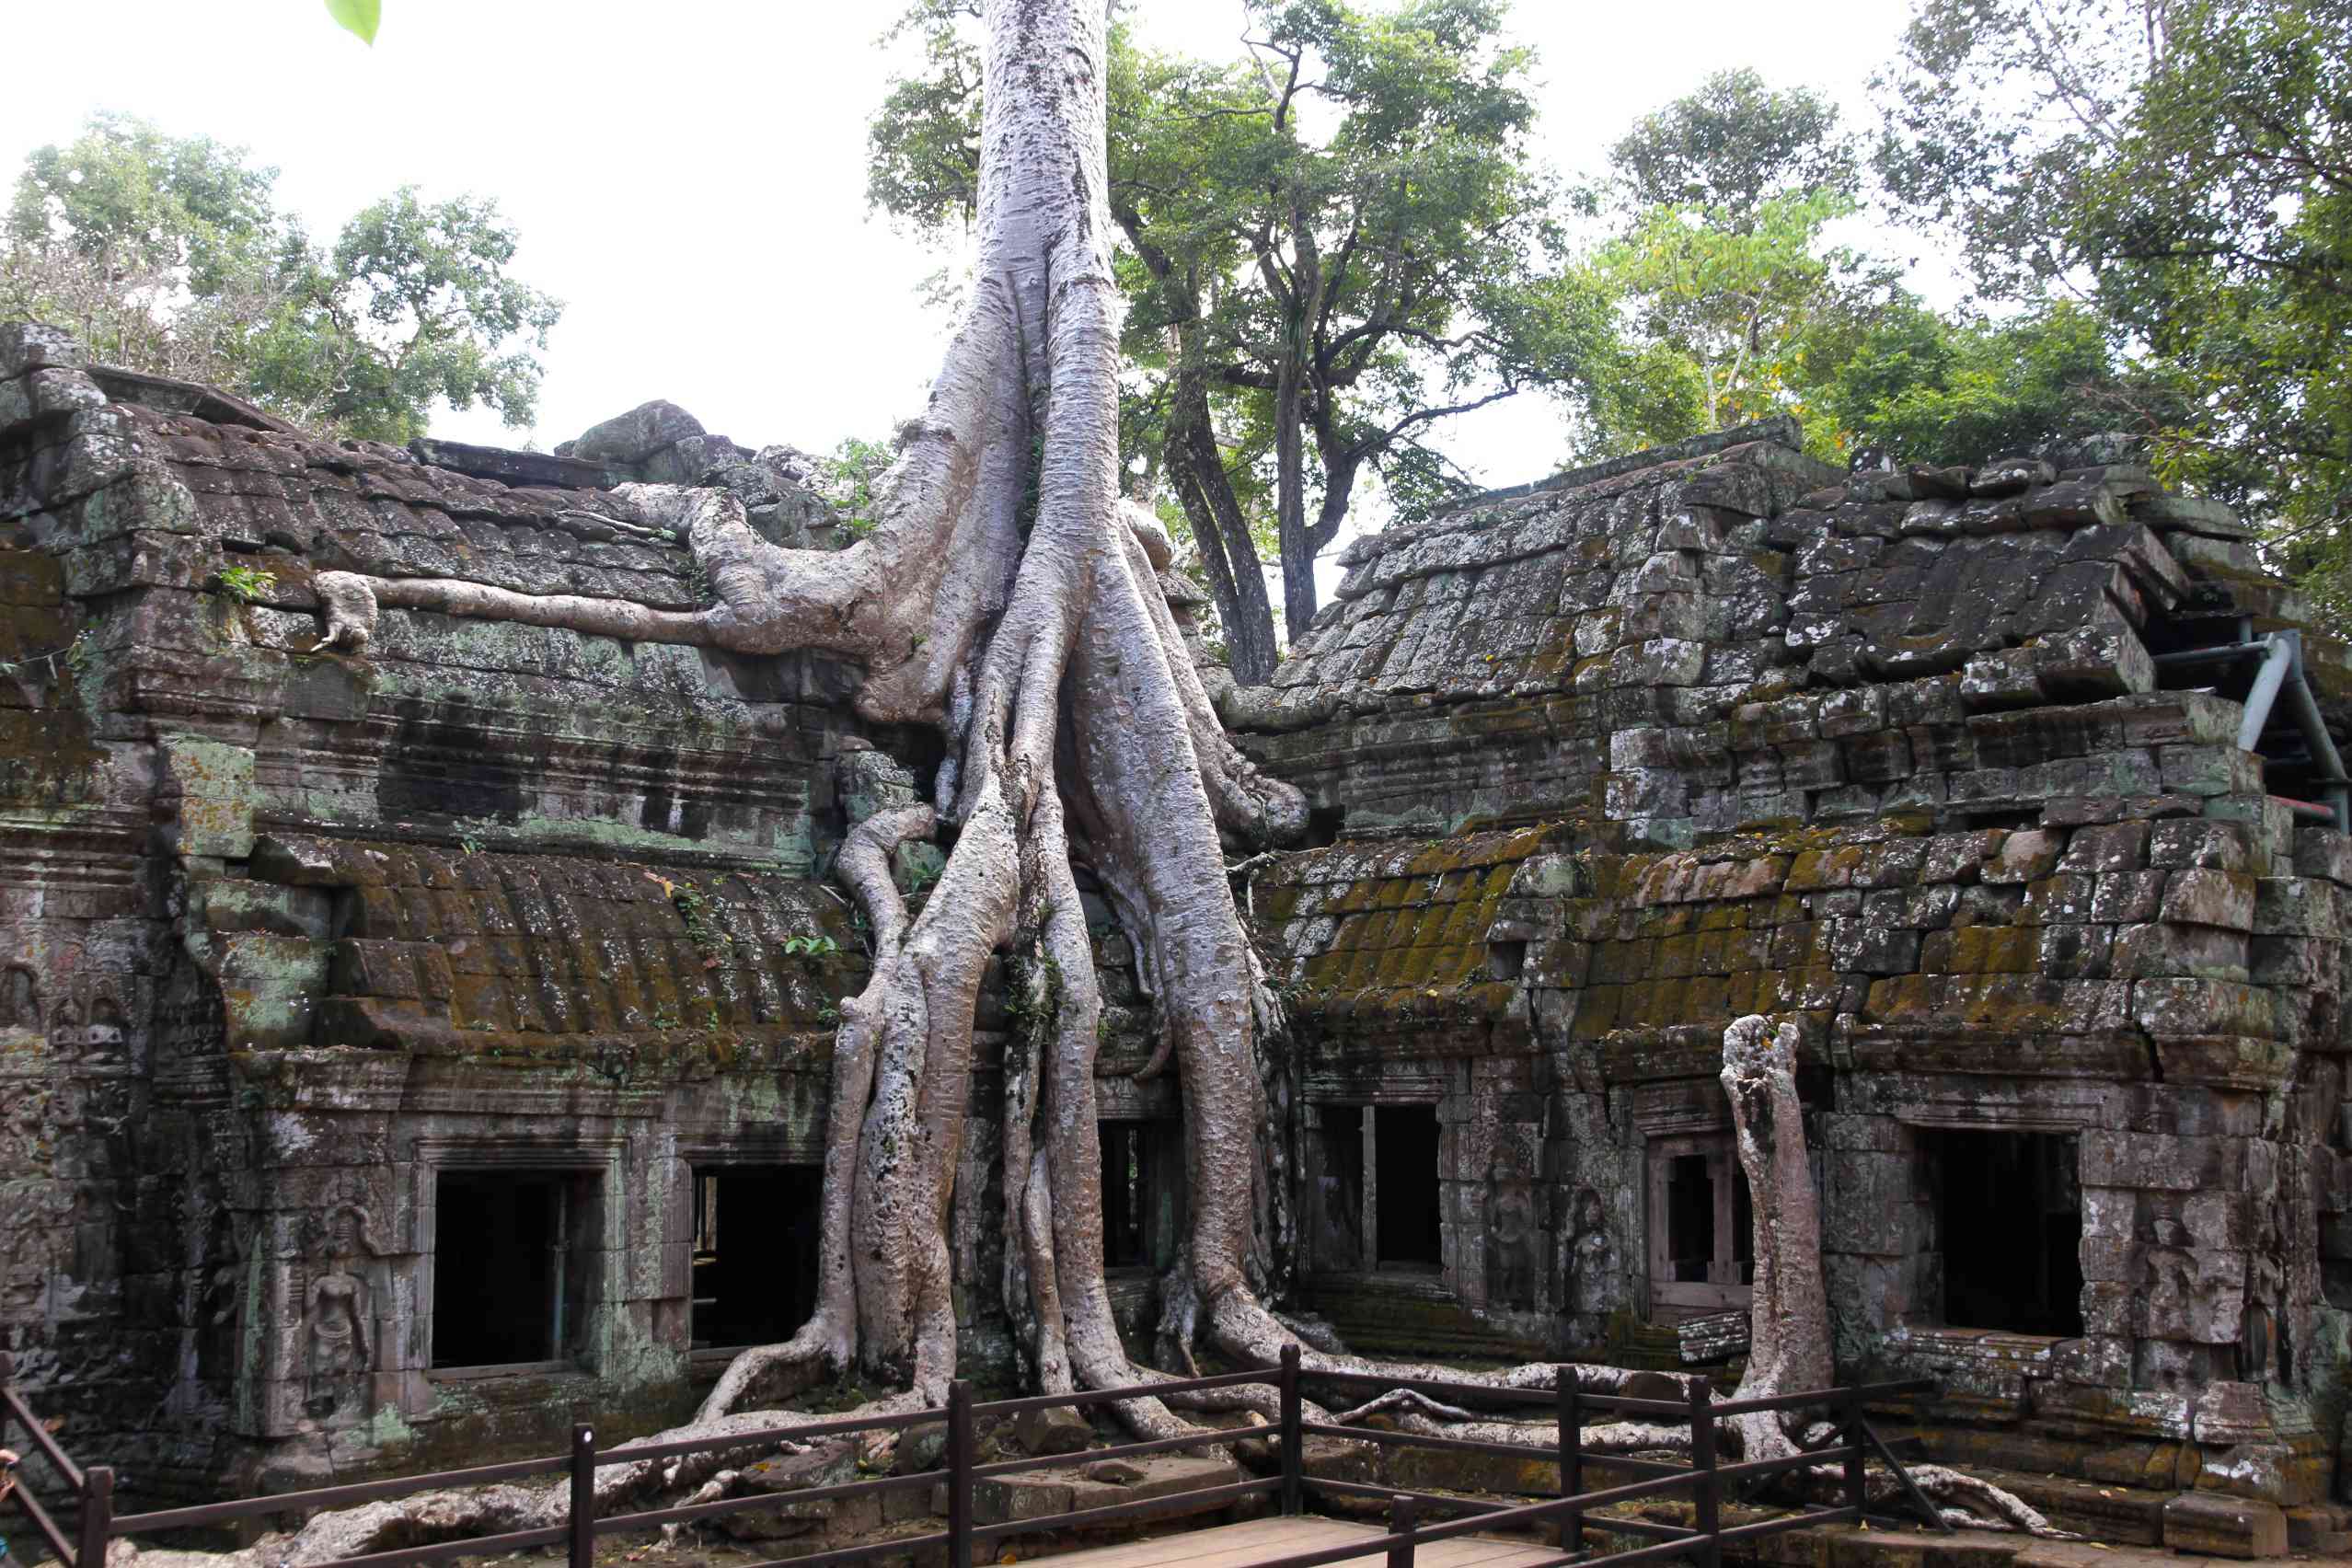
(1237, 1546)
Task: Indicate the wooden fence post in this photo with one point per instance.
(1856, 1476)
(1293, 1462)
(1571, 1457)
(583, 1516)
(959, 1464)
(98, 1516)
(1401, 1510)
(1706, 1493)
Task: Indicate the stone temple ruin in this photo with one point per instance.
(401, 1055)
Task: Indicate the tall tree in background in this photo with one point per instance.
(1736, 302)
(1721, 265)
(167, 254)
(2183, 166)
(1332, 244)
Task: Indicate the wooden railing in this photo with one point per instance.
(1705, 1480)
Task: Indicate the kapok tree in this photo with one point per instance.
(1039, 644)
(1034, 634)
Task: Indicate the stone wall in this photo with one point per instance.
(1893, 756)
(302, 942)
(292, 940)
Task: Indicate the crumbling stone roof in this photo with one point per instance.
(1725, 606)
(1384, 937)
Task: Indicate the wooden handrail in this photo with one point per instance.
(1705, 1478)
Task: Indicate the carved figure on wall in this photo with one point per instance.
(1511, 1231)
(338, 1349)
(19, 999)
(1592, 1259)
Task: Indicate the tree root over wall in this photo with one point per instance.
(1008, 597)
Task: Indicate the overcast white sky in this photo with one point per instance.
(690, 175)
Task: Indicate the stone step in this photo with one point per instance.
(2119, 1515)
(1083, 1485)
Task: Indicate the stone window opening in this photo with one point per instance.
(1324, 825)
(1405, 1145)
(754, 1250)
(1377, 1180)
(2008, 1234)
(515, 1268)
(1701, 1227)
(1128, 1189)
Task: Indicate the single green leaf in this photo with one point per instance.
(359, 17)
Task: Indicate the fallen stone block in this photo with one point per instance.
(2224, 1526)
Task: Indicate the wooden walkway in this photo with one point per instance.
(1237, 1546)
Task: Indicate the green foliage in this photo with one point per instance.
(851, 480)
(2186, 166)
(357, 17)
(247, 583)
(166, 254)
(1717, 305)
(809, 944)
(1736, 303)
(1733, 146)
(1929, 390)
(1333, 242)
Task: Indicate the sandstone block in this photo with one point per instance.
(2224, 1526)
(2216, 846)
(2198, 896)
(2025, 856)
(2299, 906)
(2151, 950)
(2185, 1006)
(2125, 897)
(2210, 770)
(2120, 847)
(635, 436)
(2323, 853)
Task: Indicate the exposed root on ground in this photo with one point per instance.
(1009, 598)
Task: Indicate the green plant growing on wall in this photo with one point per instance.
(809, 944)
(694, 914)
(246, 584)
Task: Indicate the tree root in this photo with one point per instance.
(1010, 597)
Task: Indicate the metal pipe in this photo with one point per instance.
(2264, 695)
(2314, 723)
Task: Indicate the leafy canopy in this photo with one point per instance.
(1330, 242)
(166, 255)
(2184, 167)
(1734, 302)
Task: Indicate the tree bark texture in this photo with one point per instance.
(1076, 730)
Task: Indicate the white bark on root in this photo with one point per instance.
(1789, 1306)
(1069, 710)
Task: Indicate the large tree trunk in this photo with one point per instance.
(1237, 579)
(1075, 727)
(1788, 1311)
(1290, 491)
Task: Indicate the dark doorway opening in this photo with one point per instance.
(1126, 1194)
(755, 1253)
(510, 1279)
(1339, 1221)
(1690, 1218)
(1405, 1143)
(2008, 1219)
